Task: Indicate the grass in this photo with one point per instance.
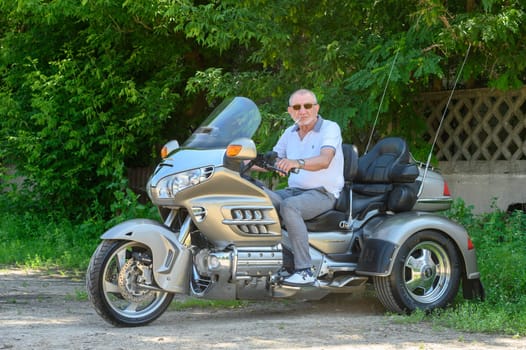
(47, 242)
(191, 303)
(80, 295)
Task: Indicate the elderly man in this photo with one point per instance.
(313, 145)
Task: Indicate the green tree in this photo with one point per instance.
(91, 87)
(86, 88)
(345, 51)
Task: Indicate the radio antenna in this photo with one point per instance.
(442, 120)
(381, 102)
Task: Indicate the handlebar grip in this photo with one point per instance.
(294, 170)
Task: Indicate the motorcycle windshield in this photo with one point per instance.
(233, 118)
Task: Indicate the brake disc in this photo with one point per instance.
(129, 278)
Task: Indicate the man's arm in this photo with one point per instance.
(312, 164)
(322, 161)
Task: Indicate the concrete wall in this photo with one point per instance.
(482, 184)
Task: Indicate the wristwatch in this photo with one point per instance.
(301, 162)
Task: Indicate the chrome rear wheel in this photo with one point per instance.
(426, 274)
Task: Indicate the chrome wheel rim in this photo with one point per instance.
(120, 287)
(427, 272)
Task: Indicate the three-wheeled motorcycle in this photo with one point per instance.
(221, 238)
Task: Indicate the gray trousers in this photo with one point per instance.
(296, 205)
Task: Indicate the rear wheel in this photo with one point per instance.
(426, 274)
(119, 284)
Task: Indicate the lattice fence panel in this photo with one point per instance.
(481, 124)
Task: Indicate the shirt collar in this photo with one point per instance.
(317, 126)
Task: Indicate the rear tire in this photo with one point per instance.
(113, 284)
(426, 274)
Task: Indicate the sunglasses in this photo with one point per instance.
(306, 106)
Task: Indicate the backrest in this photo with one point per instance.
(350, 161)
(387, 162)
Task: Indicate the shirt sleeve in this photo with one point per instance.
(281, 146)
(332, 136)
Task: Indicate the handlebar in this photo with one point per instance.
(267, 161)
(292, 170)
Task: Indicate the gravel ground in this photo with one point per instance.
(42, 311)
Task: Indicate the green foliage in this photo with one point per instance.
(344, 52)
(47, 240)
(83, 94)
(499, 238)
(507, 237)
(497, 35)
(89, 88)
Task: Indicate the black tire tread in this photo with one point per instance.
(384, 293)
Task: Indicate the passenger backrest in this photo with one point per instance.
(350, 167)
(388, 162)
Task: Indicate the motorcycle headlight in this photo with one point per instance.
(169, 186)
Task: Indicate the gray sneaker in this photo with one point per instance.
(300, 278)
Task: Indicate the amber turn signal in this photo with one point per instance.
(164, 152)
(233, 150)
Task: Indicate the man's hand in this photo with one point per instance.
(286, 165)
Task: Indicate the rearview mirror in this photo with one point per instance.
(242, 149)
(168, 148)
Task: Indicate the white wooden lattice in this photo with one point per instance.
(480, 124)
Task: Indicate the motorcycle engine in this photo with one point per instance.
(239, 263)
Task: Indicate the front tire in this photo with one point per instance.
(426, 274)
(115, 280)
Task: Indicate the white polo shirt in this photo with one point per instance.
(325, 133)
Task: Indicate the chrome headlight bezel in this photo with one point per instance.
(168, 187)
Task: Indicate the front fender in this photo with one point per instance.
(172, 261)
(384, 235)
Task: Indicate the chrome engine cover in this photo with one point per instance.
(239, 263)
(235, 273)
(257, 262)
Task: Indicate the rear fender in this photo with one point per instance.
(172, 261)
(383, 237)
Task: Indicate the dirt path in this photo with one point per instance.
(49, 312)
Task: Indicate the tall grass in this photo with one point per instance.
(38, 240)
(33, 237)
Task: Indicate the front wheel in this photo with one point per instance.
(119, 284)
(426, 274)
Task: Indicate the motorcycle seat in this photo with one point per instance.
(379, 180)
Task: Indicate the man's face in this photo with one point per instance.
(303, 109)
